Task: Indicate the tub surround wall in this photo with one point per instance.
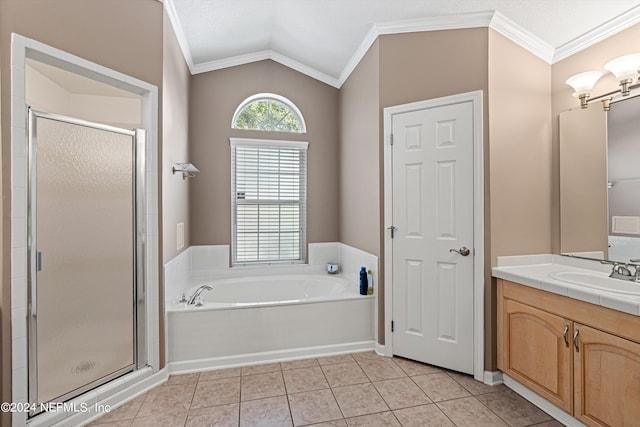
(200, 263)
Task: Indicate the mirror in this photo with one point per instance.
(600, 182)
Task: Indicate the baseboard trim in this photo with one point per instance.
(492, 378)
(541, 403)
(188, 366)
(381, 350)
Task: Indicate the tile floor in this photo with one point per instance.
(360, 389)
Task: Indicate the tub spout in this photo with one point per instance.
(197, 293)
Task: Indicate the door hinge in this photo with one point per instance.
(391, 138)
(392, 326)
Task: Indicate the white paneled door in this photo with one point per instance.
(433, 235)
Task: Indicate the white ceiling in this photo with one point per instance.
(326, 38)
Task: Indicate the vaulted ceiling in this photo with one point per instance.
(326, 38)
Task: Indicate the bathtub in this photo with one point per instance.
(261, 319)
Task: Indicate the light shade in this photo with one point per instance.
(583, 83)
(625, 67)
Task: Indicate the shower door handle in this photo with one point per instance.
(38, 261)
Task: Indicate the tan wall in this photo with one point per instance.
(519, 163)
(592, 58)
(128, 42)
(520, 150)
(213, 101)
(361, 155)
(175, 134)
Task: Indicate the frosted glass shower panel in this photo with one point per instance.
(85, 237)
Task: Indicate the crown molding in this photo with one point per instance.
(232, 61)
(262, 55)
(304, 69)
(521, 37)
(609, 28)
(177, 29)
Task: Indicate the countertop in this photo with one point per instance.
(533, 271)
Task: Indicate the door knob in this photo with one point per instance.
(464, 251)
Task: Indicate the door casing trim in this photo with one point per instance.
(476, 99)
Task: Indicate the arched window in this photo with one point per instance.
(268, 112)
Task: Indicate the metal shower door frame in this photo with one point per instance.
(139, 228)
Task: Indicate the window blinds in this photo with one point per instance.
(268, 200)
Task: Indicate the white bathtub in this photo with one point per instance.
(260, 319)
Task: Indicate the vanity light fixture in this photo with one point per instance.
(187, 170)
(626, 69)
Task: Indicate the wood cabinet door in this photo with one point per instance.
(607, 379)
(537, 352)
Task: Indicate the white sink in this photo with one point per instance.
(597, 281)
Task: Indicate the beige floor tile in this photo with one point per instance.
(128, 411)
(413, 368)
(475, 387)
(383, 419)
(423, 416)
(183, 379)
(359, 399)
(167, 400)
(401, 393)
(216, 392)
(219, 374)
(123, 423)
(314, 407)
(262, 385)
(164, 420)
(513, 408)
(297, 364)
(272, 412)
(336, 423)
(332, 360)
(218, 416)
(304, 379)
(381, 369)
(469, 412)
(440, 386)
(344, 374)
(366, 355)
(261, 369)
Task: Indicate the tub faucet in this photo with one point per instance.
(197, 293)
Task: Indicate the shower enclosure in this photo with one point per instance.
(86, 228)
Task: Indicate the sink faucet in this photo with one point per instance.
(200, 290)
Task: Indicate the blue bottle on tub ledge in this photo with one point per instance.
(364, 283)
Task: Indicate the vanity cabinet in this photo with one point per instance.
(583, 358)
(537, 351)
(607, 379)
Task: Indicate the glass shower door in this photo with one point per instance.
(82, 256)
